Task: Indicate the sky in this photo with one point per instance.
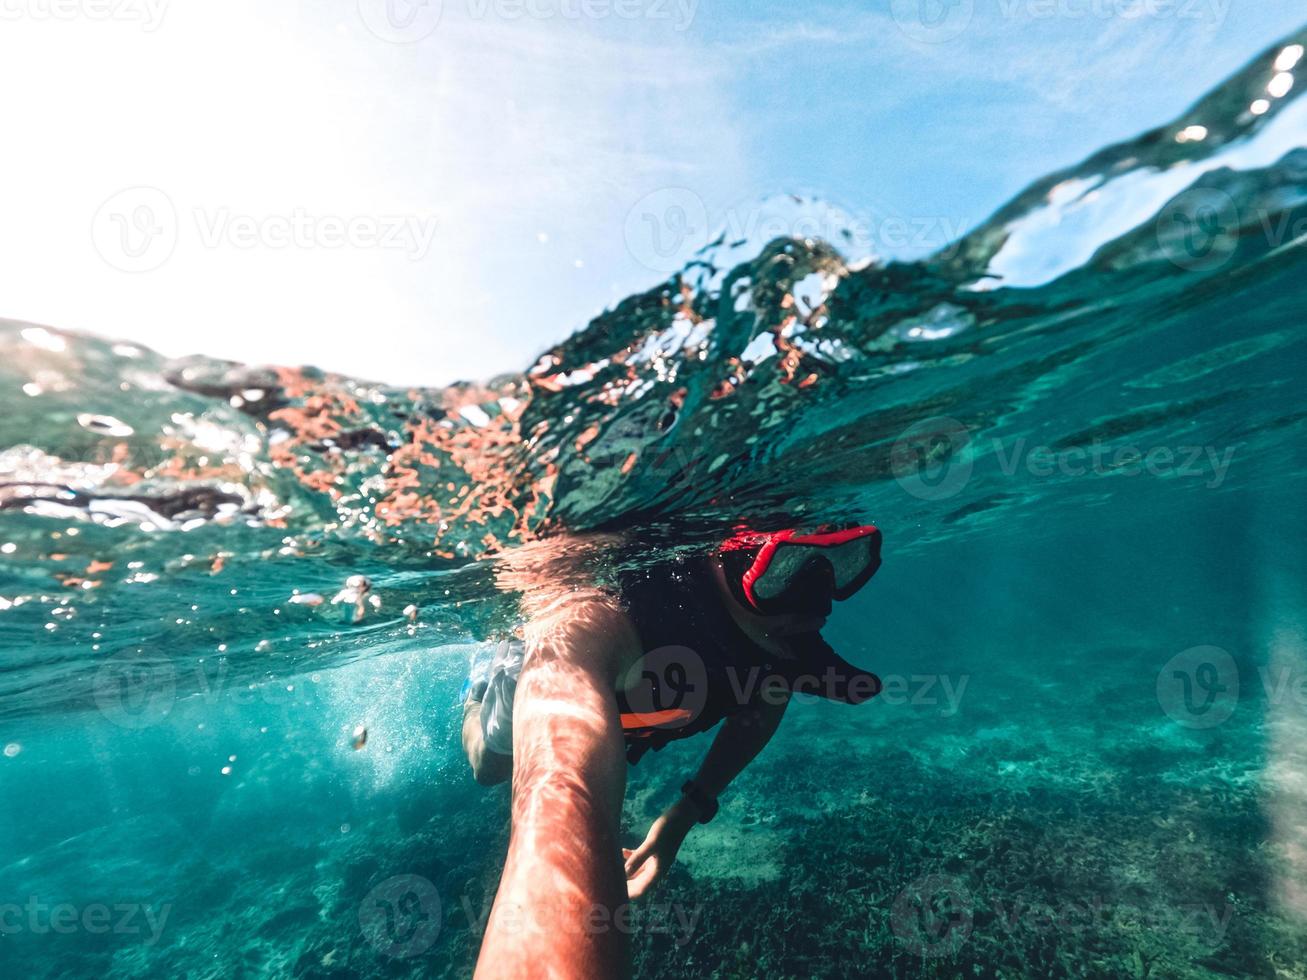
(421, 191)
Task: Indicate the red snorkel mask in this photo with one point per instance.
(790, 571)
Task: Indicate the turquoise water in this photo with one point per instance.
(1080, 430)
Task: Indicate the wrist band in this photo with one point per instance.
(705, 804)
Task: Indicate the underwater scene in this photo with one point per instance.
(238, 603)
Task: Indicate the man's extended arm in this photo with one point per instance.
(562, 883)
(741, 737)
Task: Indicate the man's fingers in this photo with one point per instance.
(637, 885)
(636, 857)
(640, 883)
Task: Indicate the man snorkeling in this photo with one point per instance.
(603, 676)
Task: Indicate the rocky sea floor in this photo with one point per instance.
(1017, 828)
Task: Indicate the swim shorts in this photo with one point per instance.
(494, 683)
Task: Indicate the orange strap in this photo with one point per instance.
(669, 718)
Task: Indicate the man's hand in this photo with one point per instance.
(648, 863)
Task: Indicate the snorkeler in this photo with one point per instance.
(597, 677)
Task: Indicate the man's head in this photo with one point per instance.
(795, 571)
(768, 631)
(779, 588)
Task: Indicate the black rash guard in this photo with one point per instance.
(698, 666)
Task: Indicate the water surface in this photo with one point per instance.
(1080, 430)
